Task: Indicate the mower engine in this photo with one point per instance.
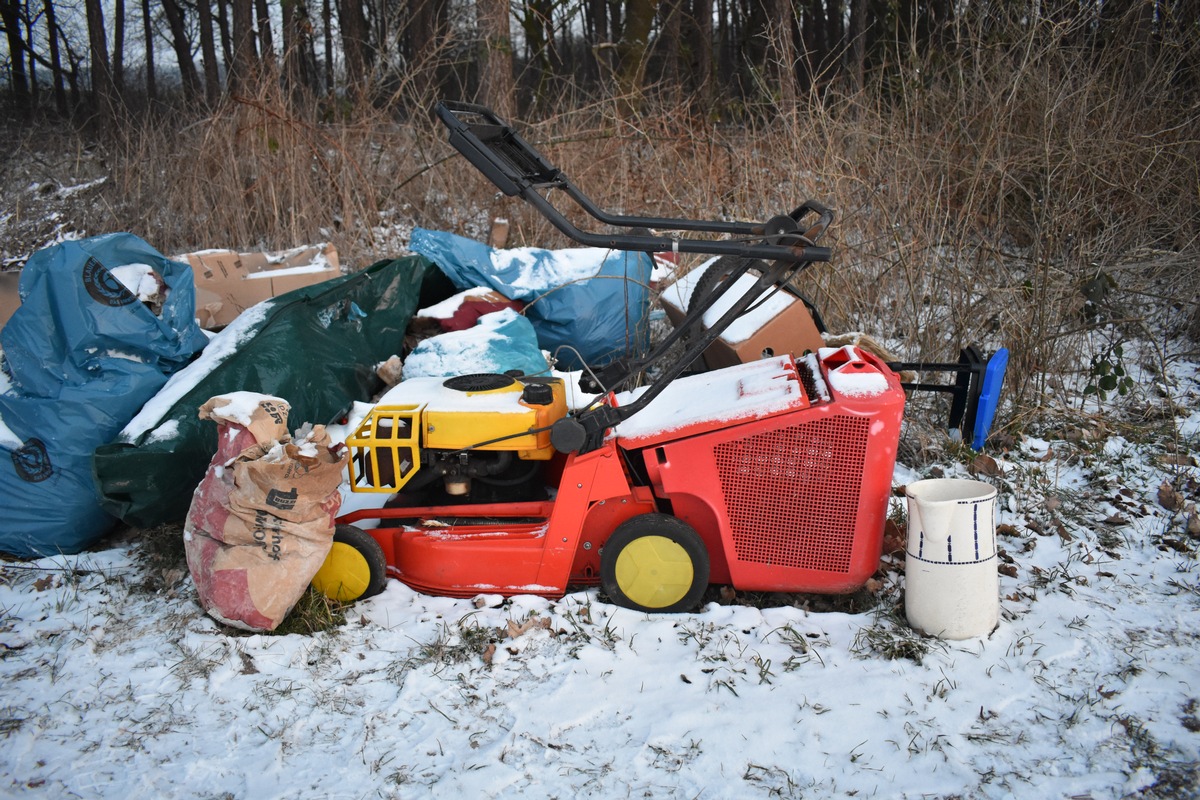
(454, 429)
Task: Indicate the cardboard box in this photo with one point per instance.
(10, 301)
(781, 324)
(227, 282)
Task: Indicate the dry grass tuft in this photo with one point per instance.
(1025, 191)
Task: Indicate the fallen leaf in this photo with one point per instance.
(515, 629)
(1052, 502)
(985, 465)
(1008, 569)
(248, 667)
(728, 595)
(1062, 532)
(685, 679)
(1168, 498)
(489, 653)
(1007, 530)
(1177, 460)
(894, 538)
(42, 584)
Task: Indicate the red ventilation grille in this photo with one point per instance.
(792, 494)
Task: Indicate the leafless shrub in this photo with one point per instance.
(1024, 191)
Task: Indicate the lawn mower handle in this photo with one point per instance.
(584, 431)
(517, 169)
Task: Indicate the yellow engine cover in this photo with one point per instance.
(471, 418)
(425, 413)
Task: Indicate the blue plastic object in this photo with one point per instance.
(82, 354)
(593, 300)
(989, 396)
(499, 342)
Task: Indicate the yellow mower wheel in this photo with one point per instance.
(656, 563)
(354, 569)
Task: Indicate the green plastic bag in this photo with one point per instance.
(316, 347)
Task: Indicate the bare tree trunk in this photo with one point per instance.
(103, 94)
(425, 36)
(354, 42)
(631, 50)
(702, 44)
(34, 94)
(782, 52)
(327, 21)
(118, 53)
(266, 40)
(10, 14)
(290, 34)
(672, 49)
(600, 62)
(183, 50)
(226, 36)
(148, 36)
(299, 63)
(208, 54)
(857, 34)
(496, 63)
(242, 71)
(52, 34)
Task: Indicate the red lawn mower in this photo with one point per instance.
(772, 475)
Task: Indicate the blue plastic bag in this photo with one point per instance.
(499, 342)
(586, 304)
(81, 355)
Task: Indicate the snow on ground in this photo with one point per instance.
(113, 682)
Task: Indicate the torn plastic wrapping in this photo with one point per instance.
(592, 303)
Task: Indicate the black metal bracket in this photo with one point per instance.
(965, 391)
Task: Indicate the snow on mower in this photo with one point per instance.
(771, 475)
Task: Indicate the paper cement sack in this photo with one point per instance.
(261, 521)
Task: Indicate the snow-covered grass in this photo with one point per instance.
(114, 683)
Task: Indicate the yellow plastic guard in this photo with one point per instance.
(385, 449)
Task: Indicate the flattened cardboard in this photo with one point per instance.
(791, 331)
(227, 282)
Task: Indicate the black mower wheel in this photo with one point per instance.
(355, 567)
(717, 273)
(654, 563)
(720, 270)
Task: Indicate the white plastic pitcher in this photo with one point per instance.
(952, 589)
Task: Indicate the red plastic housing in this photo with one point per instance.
(783, 470)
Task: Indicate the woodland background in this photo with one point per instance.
(1021, 174)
